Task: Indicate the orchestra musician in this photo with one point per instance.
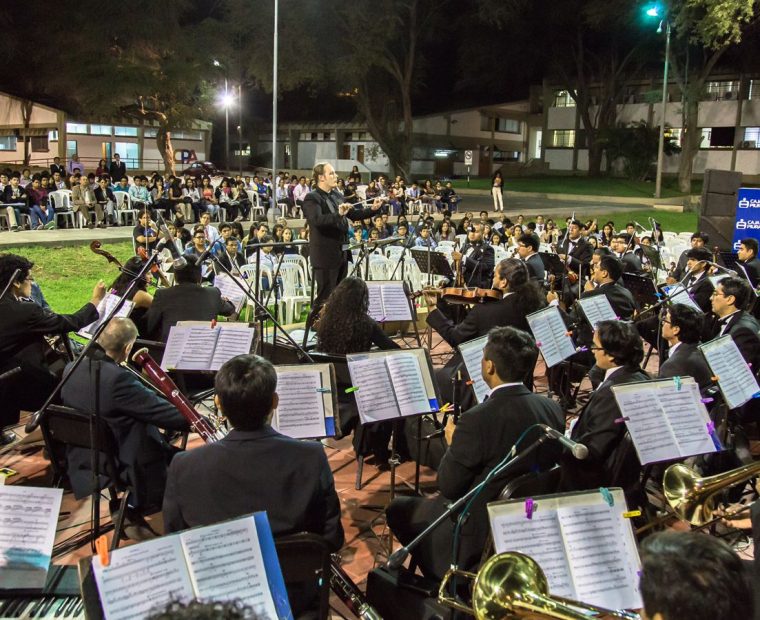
(481, 439)
(748, 261)
(187, 300)
(477, 258)
(576, 253)
(698, 283)
(134, 414)
(23, 329)
(622, 245)
(729, 302)
(527, 249)
(698, 240)
(140, 296)
(327, 215)
(681, 328)
(605, 280)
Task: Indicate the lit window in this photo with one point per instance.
(125, 131)
(100, 130)
(7, 143)
(508, 125)
(563, 99)
(76, 128)
(563, 138)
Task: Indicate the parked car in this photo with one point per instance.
(202, 168)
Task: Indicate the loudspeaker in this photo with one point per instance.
(404, 596)
(718, 213)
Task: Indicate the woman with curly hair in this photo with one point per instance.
(139, 295)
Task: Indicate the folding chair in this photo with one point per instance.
(305, 563)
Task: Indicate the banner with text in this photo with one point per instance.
(747, 215)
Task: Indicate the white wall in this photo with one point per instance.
(672, 116)
(751, 113)
(717, 113)
(559, 159)
(748, 162)
(719, 160)
(561, 118)
(430, 125)
(10, 113)
(633, 113)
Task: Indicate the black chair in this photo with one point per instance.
(305, 563)
(64, 427)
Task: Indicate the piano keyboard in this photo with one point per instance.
(41, 606)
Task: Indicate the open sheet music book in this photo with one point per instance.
(596, 309)
(472, 354)
(230, 290)
(677, 294)
(196, 345)
(104, 309)
(666, 418)
(388, 301)
(551, 335)
(28, 520)
(585, 547)
(308, 401)
(393, 384)
(735, 379)
(234, 560)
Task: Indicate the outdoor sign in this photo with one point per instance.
(468, 158)
(747, 215)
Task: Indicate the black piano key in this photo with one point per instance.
(66, 610)
(46, 608)
(36, 607)
(79, 609)
(15, 607)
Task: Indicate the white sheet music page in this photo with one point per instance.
(231, 342)
(225, 563)
(199, 348)
(679, 295)
(229, 289)
(375, 395)
(603, 565)
(551, 335)
(472, 354)
(395, 302)
(375, 309)
(175, 344)
(301, 412)
(28, 520)
(539, 537)
(409, 388)
(735, 379)
(687, 417)
(142, 578)
(104, 309)
(596, 309)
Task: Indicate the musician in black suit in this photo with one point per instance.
(698, 240)
(682, 328)
(576, 253)
(187, 300)
(605, 278)
(23, 328)
(618, 351)
(477, 259)
(483, 437)
(327, 215)
(748, 261)
(729, 301)
(527, 248)
(133, 412)
(698, 283)
(622, 244)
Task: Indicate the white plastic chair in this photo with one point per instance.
(60, 202)
(255, 203)
(294, 290)
(461, 240)
(124, 208)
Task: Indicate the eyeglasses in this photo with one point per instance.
(593, 348)
(717, 294)
(28, 279)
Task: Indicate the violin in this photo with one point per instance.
(154, 268)
(462, 294)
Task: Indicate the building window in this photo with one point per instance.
(314, 136)
(486, 123)
(71, 148)
(327, 136)
(506, 155)
(563, 99)
(53, 135)
(674, 134)
(720, 91)
(751, 138)
(150, 132)
(125, 131)
(754, 89)
(7, 143)
(187, 134)
(563, 138)
(40, 144)
(717, 138)
(76, 128)
(508, 125)
(101, 130)
(129, 152)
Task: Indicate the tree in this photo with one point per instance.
(635, 145)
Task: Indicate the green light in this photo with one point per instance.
(653, 11)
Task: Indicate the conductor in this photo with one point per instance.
(327, 214)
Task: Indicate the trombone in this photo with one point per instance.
(512, 585)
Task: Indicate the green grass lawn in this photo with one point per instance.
(604, 186)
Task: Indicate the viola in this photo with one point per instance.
(463, 295)
(154, 268)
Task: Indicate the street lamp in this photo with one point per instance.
(226, 100)
(656, 11)
(274, 99)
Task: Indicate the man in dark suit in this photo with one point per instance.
(187, 300)
(327, 215)
(477, 258)
(748, 262)
(623, 246)
(729, 301)
(133, 412)
(618, 351)
(527, 248)
(698, 240)
(576, 253)
(682, 328)
(58, 167)
(698, 284)
(23, 328)
(117, 170)
(254, 467)
(605, 278)
(483, 437)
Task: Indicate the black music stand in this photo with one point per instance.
(652, 254)
(642, 288)
(553, 264)
(434, 263)
(728, 260)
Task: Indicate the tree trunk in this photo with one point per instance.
(26, 115)
(164, 142)
(690, 139)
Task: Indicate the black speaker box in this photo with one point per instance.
(721, 181)
(404, 596)
(718, 211)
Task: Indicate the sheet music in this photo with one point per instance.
(407, 381)
(679, 295)
(199, 348)
(551, 335)
(472, 354)
(375, 396)
(143, 577)
(375, 309)
(230, 290)
(395, 302)
(107, 304)
(597, 308)
(225, 563)
(540, 538)
(687, 418)
(735, 379)
(231, 342)
(602, 566)
(301, 412)
(28, 519)
(646, 423)
(175, 344)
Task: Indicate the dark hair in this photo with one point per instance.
(621, 341)
(688, 321)
(603, 251)
(529, 240)
(529, 296)
(190, 273)
(739, 288)
(624, 236)
(245, 386)
(129, 271)
(691, 575)
(512, 351)
(750, 244)
(9, 263)
(612, 265)
(205, 610)
(701, 235)
(345, 326)
(699, 254)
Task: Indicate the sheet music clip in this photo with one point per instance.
(607, 496)
(470, 382)
(538, 344)
(677, 381)
(324, 390)
(622, 420)
(713, 436)
(351, 389)
(715, 378)
(101, 547)
(706, 400)
(756, 395)
(530, 507)
(580, 349)
(569, 333)
(630, 514)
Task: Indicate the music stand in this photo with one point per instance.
(552, 263)
(653, 256)
(642, 288)
(728, 260)
(432, 262)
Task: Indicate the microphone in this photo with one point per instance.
(578, 450)
(206, 253)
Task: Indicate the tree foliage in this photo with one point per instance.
(633, 146)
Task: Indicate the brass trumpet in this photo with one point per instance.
(512, 585)
(693, 498)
